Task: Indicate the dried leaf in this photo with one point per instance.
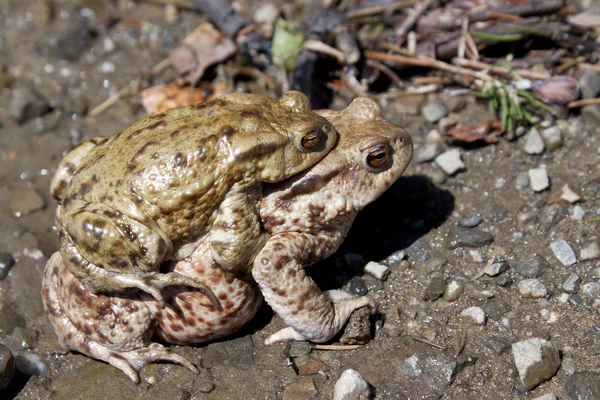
(158, 99)
(487, 131)
(203, 47)
(556, 90)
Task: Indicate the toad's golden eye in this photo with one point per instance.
(378, 157)
(311, 139)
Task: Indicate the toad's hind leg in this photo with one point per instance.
(111, 253)
(69, 307)
(69, 165)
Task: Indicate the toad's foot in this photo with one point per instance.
(342, 308)
(127, 349)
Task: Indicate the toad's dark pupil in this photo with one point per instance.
(310, 140)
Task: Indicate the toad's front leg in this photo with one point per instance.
(293, 295)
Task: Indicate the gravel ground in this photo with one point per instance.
(490, 256)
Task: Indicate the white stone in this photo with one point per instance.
(569, 195)
(351, 386)
(577, 213)
(474, 315)
(552, 137)
(563, 252)
(563, 298)
(591, 251)
(453, 290)
(533, 142)
(536, 359)
(450, 162)
(377, 270)
(547, 396)
(538, 179)
(591, 289)
(533, 288)
(476, 256)
(522, 180)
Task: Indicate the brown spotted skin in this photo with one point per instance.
(155, 190)
(307, 217)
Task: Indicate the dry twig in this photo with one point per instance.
(336, 347)
(364, 12)
(583, 102)
(425, 341)
(479, 65)
(408, 23)
(127, 91)
(320, 47)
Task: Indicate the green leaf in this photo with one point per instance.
(287, 44)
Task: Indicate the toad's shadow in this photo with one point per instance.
(404, 213)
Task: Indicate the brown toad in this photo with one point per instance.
(308, 217)
(155, 190)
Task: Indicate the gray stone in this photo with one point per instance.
(537, 360)
(447, 123)
(426, 152)
(496, 268)
(25, 201)
(584, 385)
(30, 364)
(298, 349)
(532, 267)
(591, 251)
(471, 222)
(552, 137)
(351, 386)
(7, 366)
(538, 179)
(473, 315)
(563, 252)
(450, 162)
(533, 142)
(6, 262)
(435, 289)
(577, 212)
(434, 372)
(433, 111)
(452, 102)
(358, 328)
(547, 396)
(496, 345)
(567, 366)
(589, 82)
(73, 38)
(591, 289)
(468, 237)
(26, 103)
(495, 309)
(532, 288)
(571, 284)
(238, 353)
(550, 216)
(357, 286)
(300, 390)
(9, 318)
(522, 180)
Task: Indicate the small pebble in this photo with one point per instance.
(584, 385)
(589, 252)
(435, 289)
(31, 364)
(550, 216)
(433, 111)
(532, 288)
(476, 256)
(552, 137)
(563, 252)
(25, 201)
(496, 268)
(571, 284)
(591, 289)
(453, 290)
(351, 386)
(426, 152)
(532, 267)
(577, 213)
(7, 366)
(450, 162)
(533, 142)
(6, 262)
(298, 349)
(377, 270)
(547, 396)
(522, 180)
(468, 237)
(537, 360)
(473, 315)
(471, 222)
(538, 179)
(357, 286)
(569, 195)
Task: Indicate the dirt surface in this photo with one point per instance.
(73, 59)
